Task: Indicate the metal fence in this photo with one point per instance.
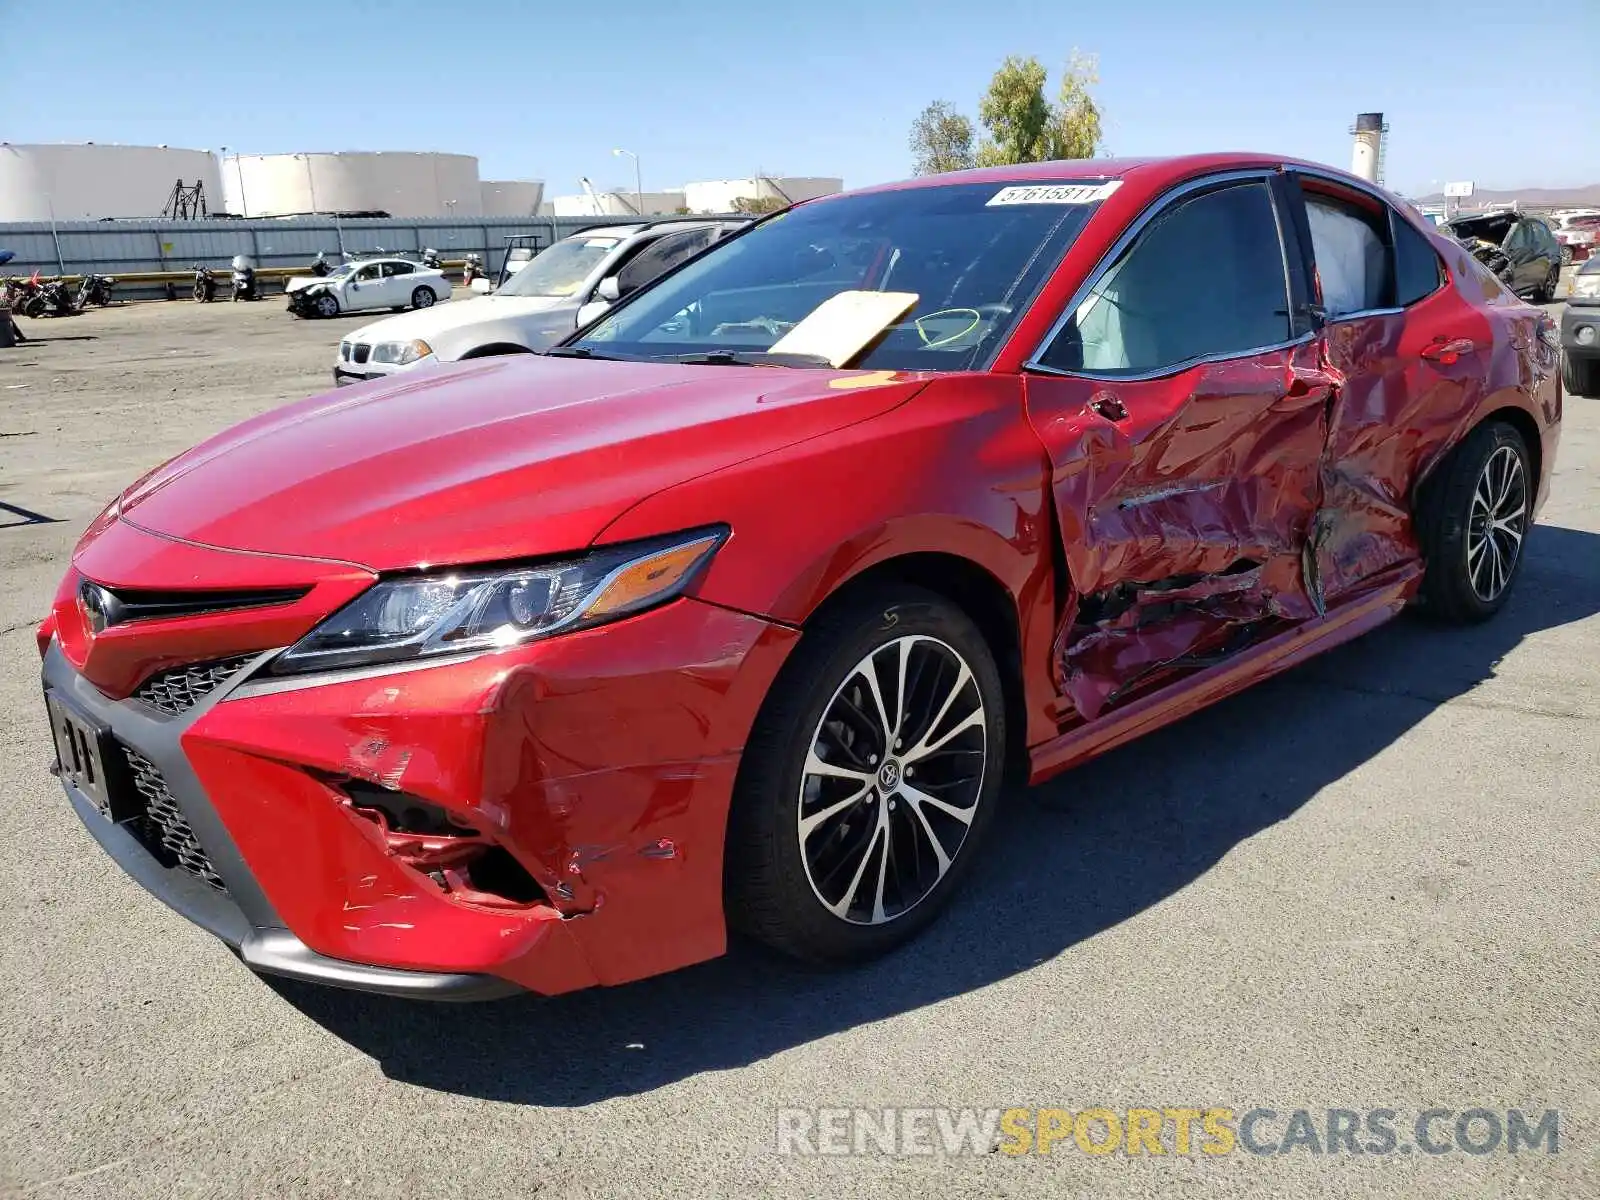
(129, 247)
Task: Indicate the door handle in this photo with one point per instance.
(1447, 350)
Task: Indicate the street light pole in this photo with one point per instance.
(244, 204)
(638, 179)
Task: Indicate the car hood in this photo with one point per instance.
(488, 460)
(301, 282)
(428, 322)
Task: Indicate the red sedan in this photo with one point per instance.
(736, 609)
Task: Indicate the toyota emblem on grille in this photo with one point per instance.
(100, 607)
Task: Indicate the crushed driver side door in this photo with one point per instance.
(1184, 414)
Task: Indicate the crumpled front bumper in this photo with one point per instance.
(602, 761)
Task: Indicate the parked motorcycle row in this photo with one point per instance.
(36, 297)
(244, 284)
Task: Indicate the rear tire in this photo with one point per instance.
(1580, 376)
(840, 802)
(422, 297)
(1472, 521)
(1566, 256)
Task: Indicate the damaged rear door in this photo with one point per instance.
(1184, 415)
(1407, 357)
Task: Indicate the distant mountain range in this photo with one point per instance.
(1587, 196)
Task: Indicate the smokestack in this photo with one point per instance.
(1366, 157)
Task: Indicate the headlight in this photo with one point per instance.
(401, 353)
(461, 611)
(1585, 284)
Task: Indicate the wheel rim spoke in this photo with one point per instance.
(808, 825)
(816, 766)
(921, 749)
(874, 843)
(925, 748)
(868, 670)
(842, 908)
(915, 799)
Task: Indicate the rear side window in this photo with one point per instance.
(1351, 260)
(1205, 279)
(1417, 271)
(396, 268)
(664, 254)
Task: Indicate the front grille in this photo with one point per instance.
(363, 351)
(344, 351)
(162, 827)
(178, 690)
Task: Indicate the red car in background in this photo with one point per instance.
(737, 608)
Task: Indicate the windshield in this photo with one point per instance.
(560, 269)
(343, 272)
(971, 254)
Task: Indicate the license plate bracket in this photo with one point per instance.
(87, 758)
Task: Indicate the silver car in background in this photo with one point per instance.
(566, 286)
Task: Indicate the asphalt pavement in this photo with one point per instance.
(1371, 883)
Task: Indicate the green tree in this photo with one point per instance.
(1075, 130)
(941, 140)
(1016, 114)
(1023, 126)
(759, 204)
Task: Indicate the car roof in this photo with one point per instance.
(666, 225)
(1153, 174)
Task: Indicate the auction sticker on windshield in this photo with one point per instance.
(1055, 193)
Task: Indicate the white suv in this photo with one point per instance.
(563, 287)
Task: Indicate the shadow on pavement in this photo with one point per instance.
(1093, 848)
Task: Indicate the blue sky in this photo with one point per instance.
(821, 87)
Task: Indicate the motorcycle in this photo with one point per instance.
(51, 299)
(244, 278)
(472, 269)
(14, 293)
(320, 267)
(205, 284)
(94, 289)
(430, 259)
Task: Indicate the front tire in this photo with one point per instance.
(327, 305)
(1546, 292)
(422, 297)
(1580, 376)
(1472, 522)
(870, 777)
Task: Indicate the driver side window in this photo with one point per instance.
(1204, 279)
(367, 274)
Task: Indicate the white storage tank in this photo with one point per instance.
(619, 202)
(511, 197)
(403, 184)
(722, 195)
(87, 182)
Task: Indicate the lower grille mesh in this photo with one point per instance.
(162, 828)
(180, 689)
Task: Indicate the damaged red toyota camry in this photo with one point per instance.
(735, 609)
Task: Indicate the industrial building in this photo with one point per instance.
(709, 196)
(88, 182)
